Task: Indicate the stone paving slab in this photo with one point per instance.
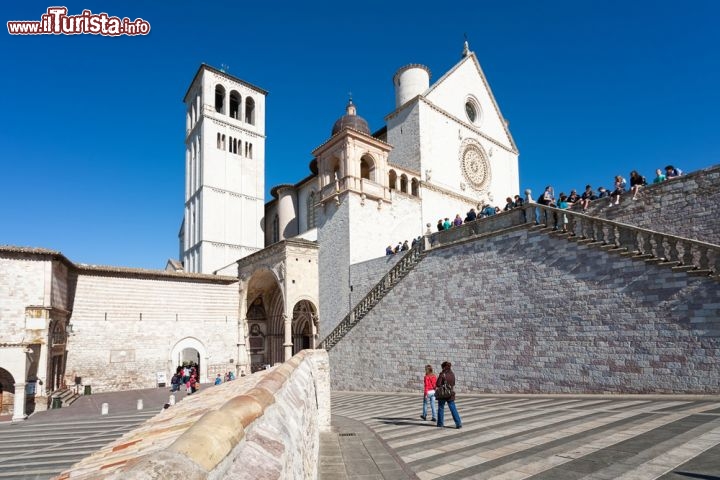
(591, 437)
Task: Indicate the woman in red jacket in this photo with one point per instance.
(429, 395)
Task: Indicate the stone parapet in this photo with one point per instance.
(265, 425)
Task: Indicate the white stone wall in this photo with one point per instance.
(403, 133)
(333, 262)
(23, 282)
(372, 229)
(126, 327)
(224, 190)
(351, 233)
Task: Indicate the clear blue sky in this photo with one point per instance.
(91, 131)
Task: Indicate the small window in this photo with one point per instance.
(415, 187)
(311, 210)
(393, 180)
(276, 229)
(403, 183)
(470, 111)
(219, 141)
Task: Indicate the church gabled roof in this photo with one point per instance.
(467, 57)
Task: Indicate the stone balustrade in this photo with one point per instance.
(266, 425)
(694, 256)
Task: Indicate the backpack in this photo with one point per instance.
(444, 391)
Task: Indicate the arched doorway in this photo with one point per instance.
(57, 356)
(188, 351)
(304, 326)
(7, 392)
(257, 335)
(264, 320)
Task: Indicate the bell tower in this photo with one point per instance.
(224, 172)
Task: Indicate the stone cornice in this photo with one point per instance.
(277, 251)
(221, 122)
(436, 188)
(222, 191)
(349, 132)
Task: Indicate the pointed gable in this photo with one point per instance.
(466, 83)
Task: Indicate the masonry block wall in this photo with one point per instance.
(688, 206)
(128, 324)
(365, 275)
(530, 313)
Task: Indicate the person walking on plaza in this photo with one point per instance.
(429, 393)
(447, 377)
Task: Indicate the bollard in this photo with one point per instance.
(172, 400)
(104, 408)
(139, 404)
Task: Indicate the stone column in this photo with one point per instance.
(288, 338)
(19, 405)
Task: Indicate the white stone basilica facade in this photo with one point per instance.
(257, 281)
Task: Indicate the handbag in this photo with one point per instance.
(444, 391)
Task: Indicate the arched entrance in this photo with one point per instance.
(257, 335)
(187, 351)
(264, 320)
(7, 392)
(57, 356)
(304, 325)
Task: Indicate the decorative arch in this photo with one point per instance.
(304, 325)
(219, 98)
(415, 187)
(264, 318)
(235, 100)
(392, 180)
(7, 392)
(404, 183)
(250, 110)
(189, 343)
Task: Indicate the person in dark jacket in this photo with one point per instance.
(447, 376)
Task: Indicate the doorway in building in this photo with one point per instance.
(257, 335)
(189, 352)
(303, 326)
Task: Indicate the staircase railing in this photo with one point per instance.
(693, 255)
(411, 258)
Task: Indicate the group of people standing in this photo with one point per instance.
(433, 383)
(186, 375)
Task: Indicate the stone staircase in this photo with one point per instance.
(682, 255)
(66, 397)
(411, 258)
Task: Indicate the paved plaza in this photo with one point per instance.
(519, 437)
(380, 436)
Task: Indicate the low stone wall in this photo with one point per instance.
(266, 425)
